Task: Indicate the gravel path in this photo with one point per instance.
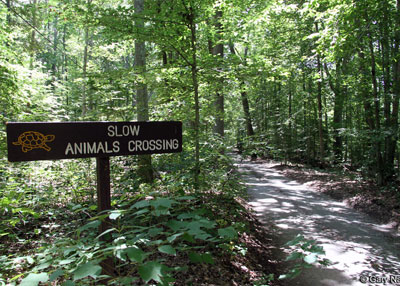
(361, 248)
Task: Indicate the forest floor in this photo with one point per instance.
(294, 200)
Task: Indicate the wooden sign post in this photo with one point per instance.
(33, 141)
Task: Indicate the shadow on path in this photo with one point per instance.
(356, 243)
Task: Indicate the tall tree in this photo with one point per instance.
(145, 168)
(218, 51)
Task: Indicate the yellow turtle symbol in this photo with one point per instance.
(32, 140)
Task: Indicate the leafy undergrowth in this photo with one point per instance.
(184, 240)
(163, 234)
(382, 203)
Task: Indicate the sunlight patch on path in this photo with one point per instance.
(354, 242)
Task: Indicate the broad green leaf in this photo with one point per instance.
(135, 254)
(317, 249)
(168, 249)
(195, 257)
(87, 269)
(115, 214)
(56, 274)
(42, 266)
(92, 224)
(174, 237)
(227, 233)
(207, 258)
(162, 202)
(294, 255)
(34, 279)
(189, 238)
(151, 270)
(299, 238)
(185, 198)
(311, 258)
(176, 225)
(140, 204)
(140, 212)
(155, 231)
(187, 215)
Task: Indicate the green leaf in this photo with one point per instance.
(227, 233)
(34, 279)
(299, 238)
(115, 214)
(294, 255)
(155, 231)
(151, 270)
(87, 269)
(66, 261)
(187, 215)
(69, 283)
(92, 224)
(42, 266)
(105, 232)
(311, 258)
(174, 237)
(163, 203)
(168, 249)
(135, 254)
(176, 225)
(56, 274)
(195, 257)
(185, 198)
(140, 204)
(207, 258)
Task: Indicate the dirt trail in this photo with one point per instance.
(359, 246)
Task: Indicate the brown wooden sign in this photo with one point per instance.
(66, 140)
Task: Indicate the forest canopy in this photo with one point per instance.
(314, 81)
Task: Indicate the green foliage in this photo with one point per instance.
(305, 253)
(143, 230)
(151, 227)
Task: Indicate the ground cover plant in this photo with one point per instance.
(160, 233)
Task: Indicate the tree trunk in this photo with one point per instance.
(218, 50)
(8, 4)
(193, 44)
(336, 88)
(243, 94)
(84, 72)
(320, 114)
(33, 34)
(145, 169)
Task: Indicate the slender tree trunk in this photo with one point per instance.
(145, 169)
(55, 46)
(218, 50)
(320, 114)
(336, 88)
(8, 4)
(290, 147)
(33, 34)
(243, 94)
(64, 69)
(194, 69)
(246, 110)
(84, 72)
(379, 159)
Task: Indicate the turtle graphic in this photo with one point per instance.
(31, 140)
